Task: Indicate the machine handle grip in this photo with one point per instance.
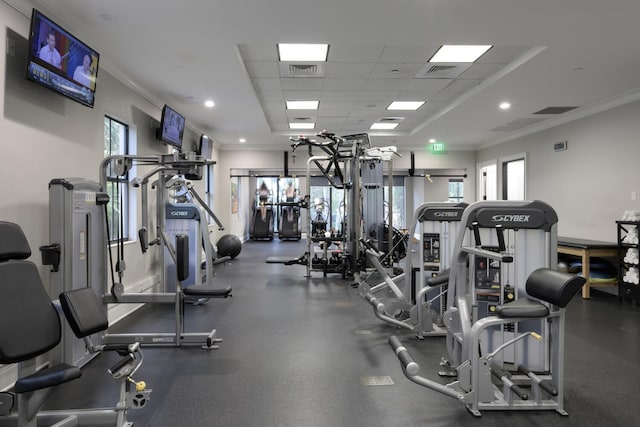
(121, 364)
(476, 233)
(500, 233)
(407, 362)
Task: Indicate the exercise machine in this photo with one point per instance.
(289, 216)
(30, 326)
(505, 311)
(262, 225)
(182, 233)
(416, 298)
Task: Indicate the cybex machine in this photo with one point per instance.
(505, 311)
(79, 236)
(416, 298)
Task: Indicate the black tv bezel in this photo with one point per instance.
(35, 63)
(161, 135)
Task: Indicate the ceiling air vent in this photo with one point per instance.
(392, 119)
(442, 71)
(439, 68)
(555, 110)
(305, 70)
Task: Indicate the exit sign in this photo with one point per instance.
(438, 148)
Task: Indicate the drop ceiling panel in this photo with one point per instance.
(412, 54)
(385, 84)
(305, 84)
(373, 114)
(415, 95)
(352, 84)
(349, 69)
(332, 113)
(384, 97)
(339, 95)
(396, 71)
(351, 53)
(330, 123)
(336, 105)
(426, 85)
(301, 95)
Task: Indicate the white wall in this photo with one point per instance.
(589, 184)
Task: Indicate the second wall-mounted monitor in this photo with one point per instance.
(171, 127)
(205, 148)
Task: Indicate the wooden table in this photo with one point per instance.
(585, 249)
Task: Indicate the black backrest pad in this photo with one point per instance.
(83, 311)
(13, 243)
(29, 323)
(553, 286)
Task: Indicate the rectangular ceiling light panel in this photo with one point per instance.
(303, 52)
(302, 125)
(405, 105)
(459, 53)
(383, 126)
(302, 105)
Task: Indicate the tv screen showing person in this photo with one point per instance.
(83, 73)
(60, 61)
(49, 53)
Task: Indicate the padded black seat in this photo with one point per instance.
(48, 377)
(547, 285)
(522, 308)
(29, 322)
(207, 292)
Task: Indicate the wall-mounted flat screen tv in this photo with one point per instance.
(171, 127)
(60, 61)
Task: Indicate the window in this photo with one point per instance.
(399, 218)
(116, 141)
(456, 190)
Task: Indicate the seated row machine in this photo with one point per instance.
(30, 326)
(414, 299)
(505, 312)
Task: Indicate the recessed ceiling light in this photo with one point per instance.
(242, 140)
(302, 105)
(459, 53)
(405, 105)
(504, 105)
(432, 141)
(209, 103)
(383, 126)
(302, 125)
(302, 52)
